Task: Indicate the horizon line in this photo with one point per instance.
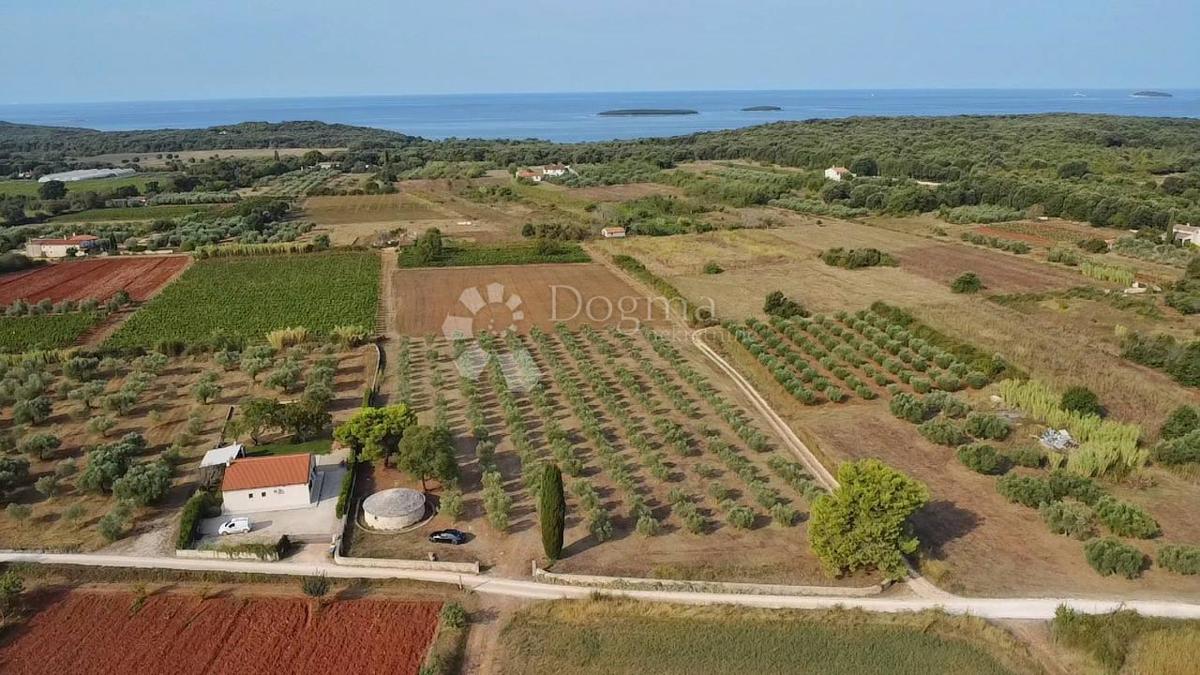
(598, 91)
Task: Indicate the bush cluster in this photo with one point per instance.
(1110, 556)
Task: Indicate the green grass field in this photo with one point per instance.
(131, 213)
(474, 255)
(51, 331)
(625, 637)
(321, 446)
(30, 187)
(251, 296)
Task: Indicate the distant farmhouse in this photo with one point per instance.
(1189, 234)
(85, 174)
(838, 173)
(613, 232)
(61, 248)
(538, 173)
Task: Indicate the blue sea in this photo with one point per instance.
(572, 117)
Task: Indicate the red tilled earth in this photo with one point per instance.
(108, 633)
(98, 278)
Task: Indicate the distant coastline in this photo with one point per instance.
(1149, 93)
(644, 112)
(762, 108)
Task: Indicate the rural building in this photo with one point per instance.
(537, 174)
(838, 173)
(1189, 234)
(85, 174)
(393, 509)
(215, 461)
(58, 248)
(268, 483)
(613, 233)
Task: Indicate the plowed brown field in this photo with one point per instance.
(493, 299)
(92, 632)
(98, 278)
(1001, 272)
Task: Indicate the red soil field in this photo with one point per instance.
(1001, 272)
(107, 633)
(98, 278)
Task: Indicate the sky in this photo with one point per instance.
(114, 50)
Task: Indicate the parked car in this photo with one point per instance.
(454, 537)
(234, 526)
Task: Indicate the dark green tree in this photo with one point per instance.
(52, 189)
(552, 511)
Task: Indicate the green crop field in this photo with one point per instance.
(51, 331)
(618, 637)
(251, 296)
(30, 187)
(524, 253)
(130, 213)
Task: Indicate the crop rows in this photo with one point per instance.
(821, 359)
(249, 297)
(666, 455)
(296, 183)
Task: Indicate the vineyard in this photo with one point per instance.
(831, 359)
(294, 183)
(49, 331)
(248, 297)
(647, 444)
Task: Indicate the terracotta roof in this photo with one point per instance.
(77, 239)
(259, 472)
(840, 169)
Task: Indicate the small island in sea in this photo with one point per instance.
(762, 108)
(1148, 93)
(631, 112)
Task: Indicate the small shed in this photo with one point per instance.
(214, 462)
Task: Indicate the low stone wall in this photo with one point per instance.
(701, 586)
(223, 555)
(398, 564)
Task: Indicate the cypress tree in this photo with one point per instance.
(552, 511)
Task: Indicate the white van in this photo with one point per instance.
(234, 526)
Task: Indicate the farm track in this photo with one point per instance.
(987, 608)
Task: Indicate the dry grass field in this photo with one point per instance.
(165, 413)
(524, 296)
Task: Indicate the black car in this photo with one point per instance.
(448, 537)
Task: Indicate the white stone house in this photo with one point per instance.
(268, 484)
(59, 248)
(838, 173)
(613, 232)
(1189, 234)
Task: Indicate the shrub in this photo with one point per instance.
(1027, 456)
(777, 304)
(316, 586)
(143, 484)
(452, 504)
(1070, 518)
(946, 403)
(1025, 490)
(982, 458)
(711, 267)
(189, 517)
(1094, 245)
(943, 432)
(18, 511)
(115, 523)
(1181, 422)
(1180, 559)
(1182, 450)
(1063, 484)
(908, 407)
(967, 282)
(856, 258)
(782, 514)
(599, 525)
(1081, 400)
(1112, 556)
(989, 426)
(647, 526)
(343, 500)
(453, 615)
(741, 517)
(1126, 520)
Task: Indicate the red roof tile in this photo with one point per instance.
(259, 472)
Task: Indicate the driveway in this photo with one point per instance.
(317, 523)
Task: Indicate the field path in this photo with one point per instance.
(986, 608)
